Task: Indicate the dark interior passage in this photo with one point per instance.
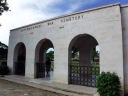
(19, 58)
(44, 63)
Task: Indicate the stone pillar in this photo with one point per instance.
(10, 60)
(84, 56)
(61, 64)
(85, 51)
(30, 62)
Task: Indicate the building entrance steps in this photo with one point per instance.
(46, 84)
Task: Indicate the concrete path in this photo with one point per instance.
(8, 88)
(69, 90)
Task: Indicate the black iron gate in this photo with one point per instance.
(84, 75)
(40, 70)
(19, 68)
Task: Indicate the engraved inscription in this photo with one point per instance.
(72, 18)
(62, 20)
(50, 23)
(31, 28)
(67, 19)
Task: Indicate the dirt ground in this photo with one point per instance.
(13, 89)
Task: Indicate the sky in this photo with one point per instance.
(24, 12)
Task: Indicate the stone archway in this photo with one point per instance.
(83, 61)
(41, 57)
(19, 59)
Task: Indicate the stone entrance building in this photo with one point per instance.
(74, 38)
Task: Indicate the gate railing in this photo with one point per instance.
(40, 70)
(19, 68)
(85, 75)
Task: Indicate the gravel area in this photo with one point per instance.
(14, 89)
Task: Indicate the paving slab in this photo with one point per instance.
(69, 90)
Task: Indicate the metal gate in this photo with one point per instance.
(84, 75)
(40, 70)
(19, 68)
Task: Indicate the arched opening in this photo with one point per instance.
(84, 61)
(44, 60)
(19, 59)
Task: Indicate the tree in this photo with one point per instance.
(3, 6)
(74, 52)
(3, 51)
(2, 45)
(50, 55)
(108, 84)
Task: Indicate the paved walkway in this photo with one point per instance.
(8, 88)
(69, 90)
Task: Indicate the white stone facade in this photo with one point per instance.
(108, 25)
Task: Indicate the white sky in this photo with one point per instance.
(25, 12)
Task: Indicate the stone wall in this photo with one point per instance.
(104, 24)
(124, 12)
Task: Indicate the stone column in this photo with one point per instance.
(61, 64)
(30, 62)
(84, 56)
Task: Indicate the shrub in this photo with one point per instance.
(108, 84)
(4, 70)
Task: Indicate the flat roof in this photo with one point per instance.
(88, 10)
(124, 6)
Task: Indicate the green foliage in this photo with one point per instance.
(52, 66)
(3, 51)
(4, 70)
(108, 84)
(94, 53)
(50, 55)
(2, 45)
(75, 53)
(3, 6)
